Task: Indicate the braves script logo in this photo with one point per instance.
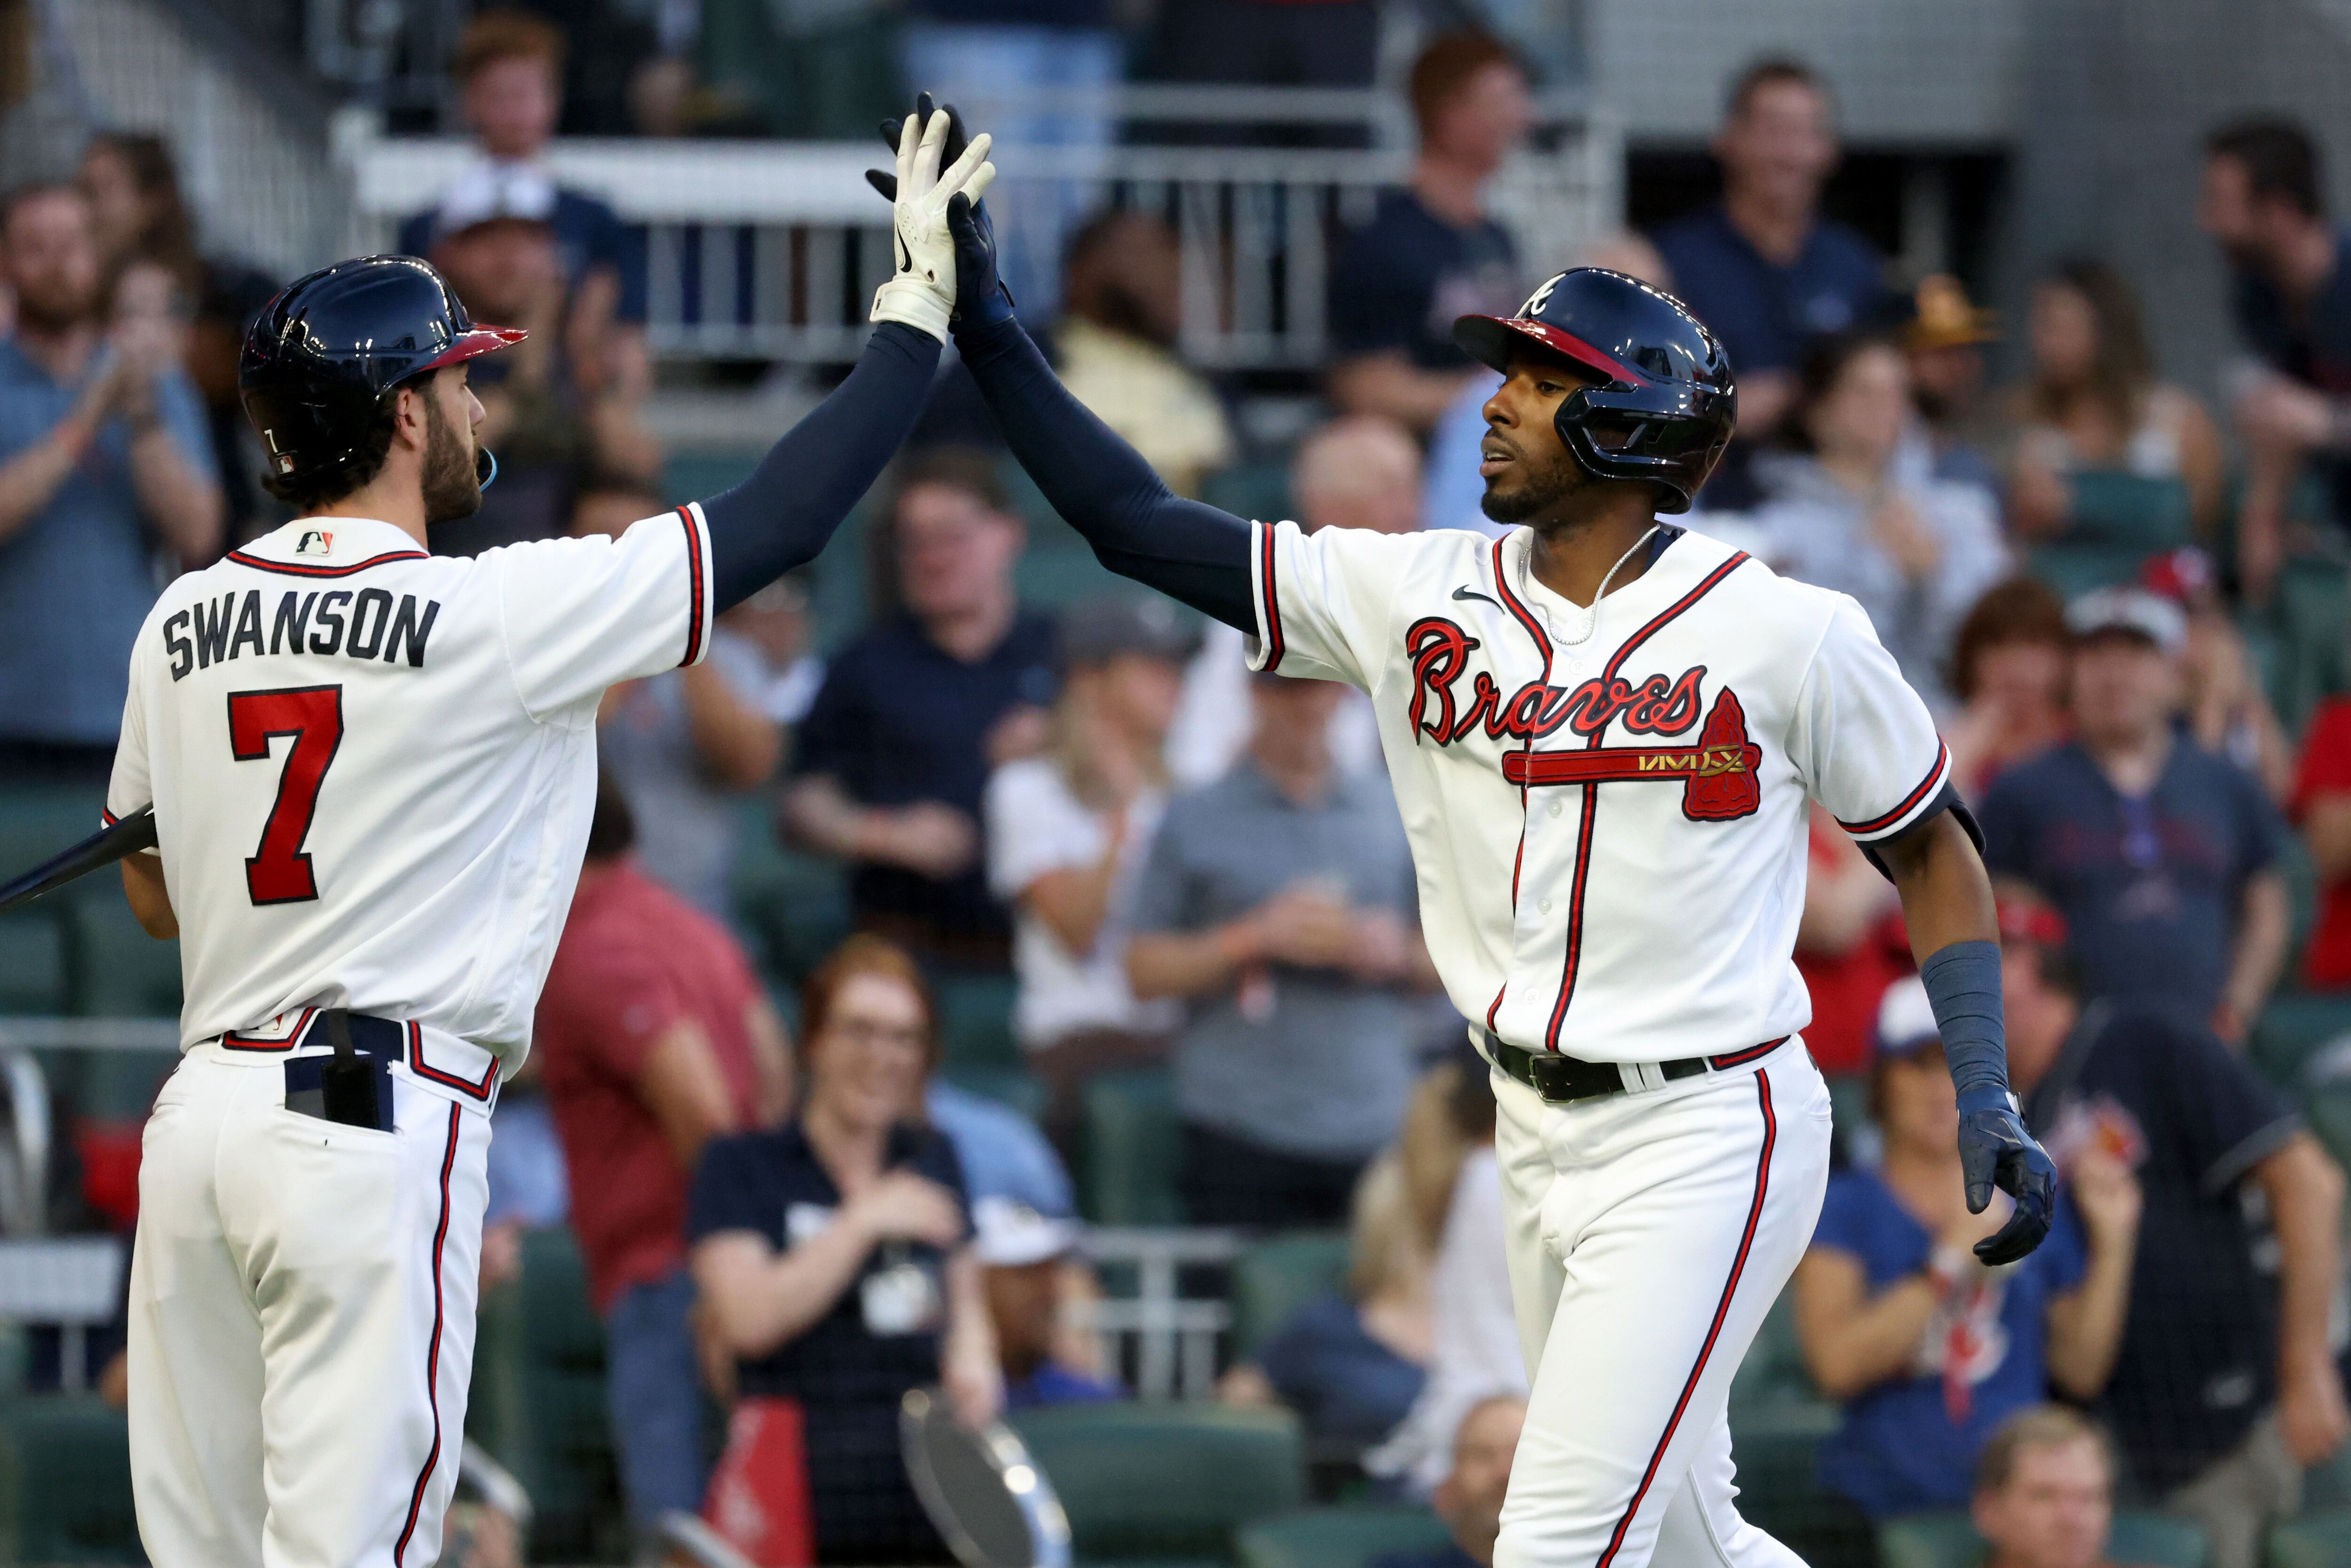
(1718, 775)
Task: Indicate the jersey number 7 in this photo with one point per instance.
(279, 872)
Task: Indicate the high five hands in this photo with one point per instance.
(979, 298)
(922, 292)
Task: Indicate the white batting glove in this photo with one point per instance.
(922, 292)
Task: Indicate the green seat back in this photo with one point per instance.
(1339, 1537)
(1772, 1376)
(2293, 1027)
(976, 1020)
(793, 909)
(37, 821)
(1134, 1145)
(1259, 491)
(1949, 1541)
(2328, 1109)
(2073, 570)
(117, 969)
(1776, 1448)
(2322, 1540)
(1162, 1480)
(32, 962)
(537, 1402)
(1276, 1277)
(64, 1482)
(2127, 511)
(1014, 1086)
(2311, 609)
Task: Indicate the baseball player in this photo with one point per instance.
(372, 770)
(1604, 733)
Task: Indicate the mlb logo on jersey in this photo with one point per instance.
(315, 542)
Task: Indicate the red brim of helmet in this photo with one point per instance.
(1488, 339)
(471, 344)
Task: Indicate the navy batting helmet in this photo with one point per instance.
(322, 357)
(1664, 406)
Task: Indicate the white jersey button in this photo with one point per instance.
(1544, 905)
(1555, 807)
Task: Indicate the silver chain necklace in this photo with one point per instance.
(1591, 615)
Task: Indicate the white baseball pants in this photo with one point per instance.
(1648, 1235)
(301, 1323)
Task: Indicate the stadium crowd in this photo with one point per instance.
(792, 1174)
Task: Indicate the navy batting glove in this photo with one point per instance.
(981, 298)
(1995, 1151)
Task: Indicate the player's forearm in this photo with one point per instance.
(1102, 488)
(1954, 925)
(175, 496)
(2306, 1200)
(785, 512)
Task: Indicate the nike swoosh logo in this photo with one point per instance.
(1466, 592)
(906, 261)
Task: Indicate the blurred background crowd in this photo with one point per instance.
(979, 979)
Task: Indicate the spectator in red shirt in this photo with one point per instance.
(1850, 946)
(657, 1037)
(2321, 809)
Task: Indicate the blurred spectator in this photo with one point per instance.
(1915, 553)
(892, 760)
(1033, 73)
(1455, 495)
(1851, 945)
(1068, 832)
(509, 68)
(1116, 347)
(832, 1255)
(2160, 855)
(1358, 471)
(773, 632)
(1945, 340)
(1270, 43)
(2092, 404)
(1928, 1350)
(1280, 904)
(134, 194)
(2228, 712)
(1351, 1362)
(105, 466)
(1431, 253)
(1469, 1497)
(683, 746)
(1761, 268)
(2263, 200)
(2045, 1492)
(1023, 1255)
(2226, 1387)
(2321, 806)
(657, 1037)
(497, 248)
(2008, 670)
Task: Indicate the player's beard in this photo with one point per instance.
(1543, 487)
(451, 489)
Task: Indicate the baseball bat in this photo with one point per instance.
(129, 836)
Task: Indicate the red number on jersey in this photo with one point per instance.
(279, 872)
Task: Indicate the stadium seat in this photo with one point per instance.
(1773, 1377)
(537, 1402)
(1014, 1086)
(792, 908)
(64, 1482)
(1776, 1447)
(2143, 1539)
(32, 962)
(1255, 490)
(2322, 1540)
(114, 969)
(2294, 1028)
(1339, 1537)
(37, 821)
(1169, 1483)
(2125, 511)
(2328, 1109)
(1276, 1277)
(1134, 1145)
(976, 1020)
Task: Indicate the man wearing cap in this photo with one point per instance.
(1944, 341)
(2225, 1386)
(1927, 1349)
(2160, 855)
(1024, 1256)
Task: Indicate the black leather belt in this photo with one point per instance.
(1563, 1080)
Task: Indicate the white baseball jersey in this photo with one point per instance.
(374, 768)
(1609, 829)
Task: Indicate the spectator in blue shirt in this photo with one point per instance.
(1928, 1350)
(1025, 1258)
(1431, 253)
(509, 68)
(1761, 268)
(2160, 855)
(105, 465)
(894, 757)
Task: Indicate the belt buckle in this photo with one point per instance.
(1554, 1077)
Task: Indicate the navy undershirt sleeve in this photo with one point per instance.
(783, 514)
(1102, 488)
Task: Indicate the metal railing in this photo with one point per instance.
(771, 251)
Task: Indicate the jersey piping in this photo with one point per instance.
(296, 568)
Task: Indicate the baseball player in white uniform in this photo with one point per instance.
(1604, 733)
(371, 771)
